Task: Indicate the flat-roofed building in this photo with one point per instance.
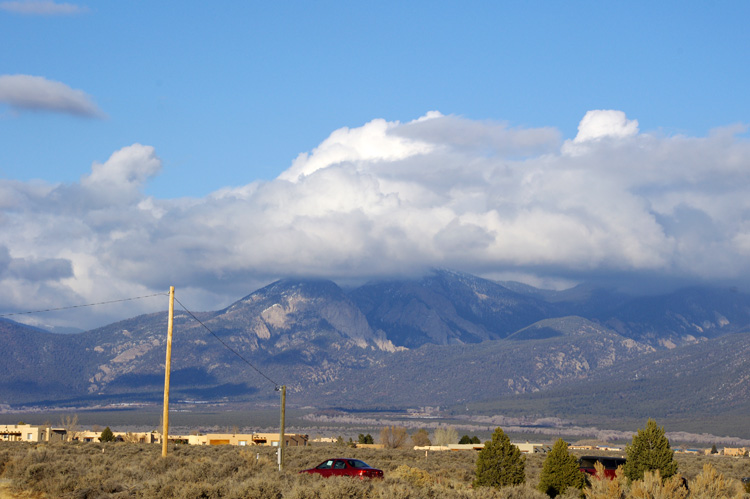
(241, 439)
(30, 433)
(120, 436)
(526, 448)
(736, 451)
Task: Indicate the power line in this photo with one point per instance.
(80, 306)
(276, 385)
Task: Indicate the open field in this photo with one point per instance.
(136, 470)
(347, 423)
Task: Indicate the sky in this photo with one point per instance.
(218, 147)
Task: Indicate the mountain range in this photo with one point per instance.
(447, 339)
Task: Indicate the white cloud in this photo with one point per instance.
(605, 123)
(600, 125)
(390, 199)
(122, 176)
(41, 8)
(368, 143)
(35, 93)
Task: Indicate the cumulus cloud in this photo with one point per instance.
(41, 8)
(35, 93)
(121, 178)
(605, 123)
(373, 142)
(393, 199)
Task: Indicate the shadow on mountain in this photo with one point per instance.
(188, 377)
(220, 391)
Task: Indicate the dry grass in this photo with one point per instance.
(125, 470)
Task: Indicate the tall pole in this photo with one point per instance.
(283, 423)
(167, 368)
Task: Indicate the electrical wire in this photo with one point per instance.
(276, 385)
(86, 305)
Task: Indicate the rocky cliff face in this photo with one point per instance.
(447, 308)
(686, 316)
(445, 338)
(287, 310)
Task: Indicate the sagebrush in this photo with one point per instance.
(130, 470)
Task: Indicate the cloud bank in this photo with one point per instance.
(35, 93)
(393, 199)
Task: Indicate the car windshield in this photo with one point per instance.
(614, 462)
(607, 462)
(325, 465)
(587, 462)
(356, 463)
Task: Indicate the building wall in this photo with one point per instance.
(735, 451)
(120, 436)
(23, 433)
(31, 433)
(56, 435)
(241, 439)
(526, 448)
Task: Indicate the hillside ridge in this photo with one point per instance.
(447, 338)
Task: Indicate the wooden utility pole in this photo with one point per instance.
(283, 422)
(167, 368)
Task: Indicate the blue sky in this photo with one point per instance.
(203, 102)
(232, 93)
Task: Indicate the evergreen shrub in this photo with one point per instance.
(499, 463)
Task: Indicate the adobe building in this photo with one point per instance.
(240, 439)
(31, 433)
(736, 451)
(120, 436)
(525, 448)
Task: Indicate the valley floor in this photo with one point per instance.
(137, 471)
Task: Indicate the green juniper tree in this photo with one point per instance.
(466, 439)
(649, 451)
(500, 463)
(107, 435)
(560, 471)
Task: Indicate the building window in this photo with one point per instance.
(243, 443)
(28, 436)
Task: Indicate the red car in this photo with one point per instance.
(345, 467)
(586, 465)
